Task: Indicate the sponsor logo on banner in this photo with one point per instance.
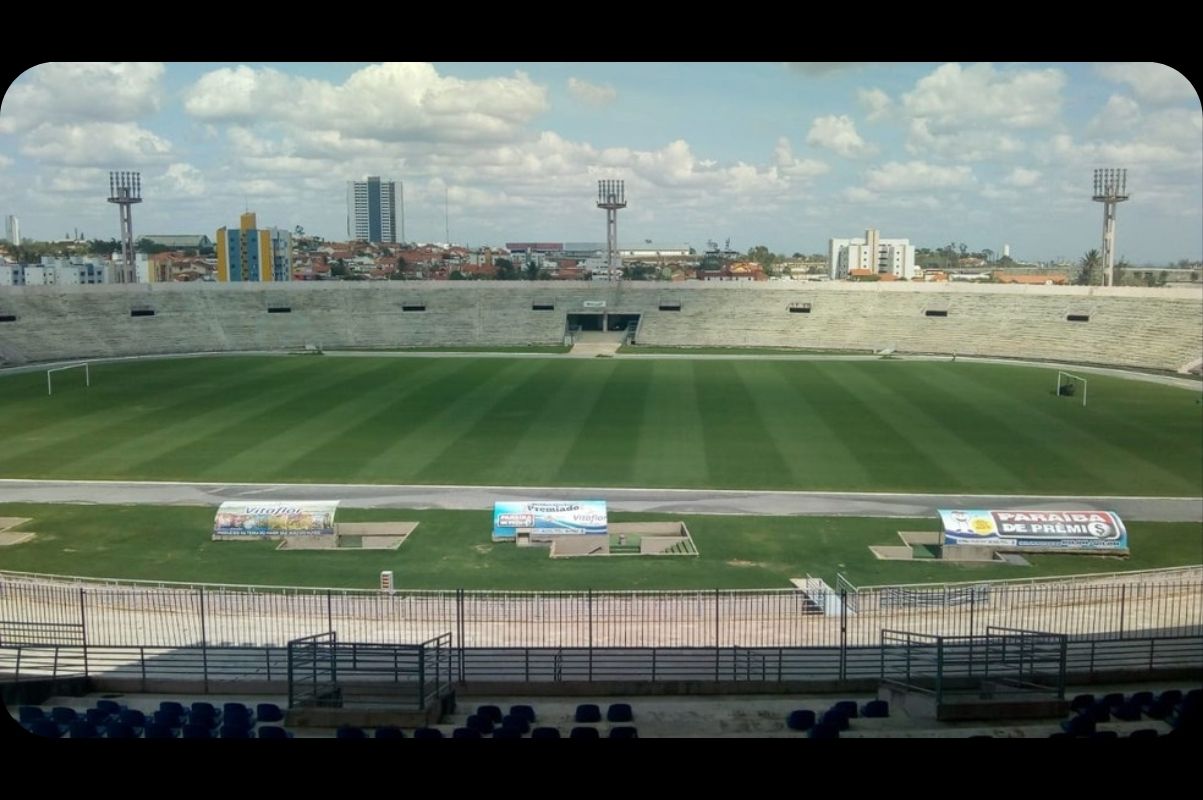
(595, 304)
(275, 519)
(1091, 530)
(569, 517)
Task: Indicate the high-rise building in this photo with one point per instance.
(251, 254)
(372, 210)
(879, 256)
(12, 229)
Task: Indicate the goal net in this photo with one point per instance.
(1070, 385)
(50, 375)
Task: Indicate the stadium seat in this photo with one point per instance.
(428, 733)
(1081, 725)
(82, 729)
(275, 732)
(517, 723)
(1170, 696)
(619, 712)
(235, 708)
(389, 732)
(1141, 699)
(172, 707)
(45, 727)
(155, 730)
(1080, 702)
(801, 720)
(63, 715)
(466, 733)
(97, 716)
(1128, 711)
(523, 711)
(506, 733)
(545, 733)
(624, 732)
(1144, 733)
(826, 730)
(847, 708)
(1100, 711)
(195, 730)
(120, 730)
(268, 712)
(31, 714)
(876, 709)
(167, 718)
(1113, 700)
(207, 710)
(229, 731)
(835, 717)
(584, 733)
(349, 732)
(1160, 709)
(110, 706)
(133, 717)
(492, 713)
(587, 712)
(480, 723)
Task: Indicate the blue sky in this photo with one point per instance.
(786, 155)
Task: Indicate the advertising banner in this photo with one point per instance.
(266, 518)
(1063, 530)
(551, 516)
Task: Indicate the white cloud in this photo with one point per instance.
(1119, 115)
(1022, 177)
(874, 101)
(858, 194)
(816, 68)
(183, 180)
(95, 143)
(962, 145)
(5, 161)
(788, 164)
(917, 176)
(591, 93)
(390, 102)
(838, 134)
(64, 92)
(953, 97)
(1150, 81)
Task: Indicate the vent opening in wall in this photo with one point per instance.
(141, 312)
(413, 306)
(669, 306)
(1078, 317)
(542, 307)
(936, 312)
(799, 308)
(8, 317)
(279, 310)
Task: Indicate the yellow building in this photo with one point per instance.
(245, 254)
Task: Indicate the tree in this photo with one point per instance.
(1088, 269)
(339, 270)
(988, 254)
(506, 271)
(532, 271)
(1120, 272)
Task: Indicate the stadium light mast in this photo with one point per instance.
(611, 195)
(1110, 188)
(125, 189)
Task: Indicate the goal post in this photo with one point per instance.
(1067, 385)
(50, 383)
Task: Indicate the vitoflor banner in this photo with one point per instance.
(275, 518)
(551, 516)
(1069, 530)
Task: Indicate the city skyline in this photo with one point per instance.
(784, 155)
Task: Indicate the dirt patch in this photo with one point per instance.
(483, 548)
(740, 563)
(15, 537)
(12, 522)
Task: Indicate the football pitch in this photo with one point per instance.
(886, 425)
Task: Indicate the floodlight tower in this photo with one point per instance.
(125, 189)
(611, 195)
(1110, 187)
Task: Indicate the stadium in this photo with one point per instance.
(795, 431)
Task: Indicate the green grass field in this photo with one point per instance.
(452, 550)
(874, 426)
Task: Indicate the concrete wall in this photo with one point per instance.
(1156, 328)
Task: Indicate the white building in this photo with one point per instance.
(882, 256)
(372, 210)
(281, 246)
(12, 229)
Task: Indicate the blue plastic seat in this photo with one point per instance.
(1081, 725)
(545, 733)
(82, 729)
(624, 732)
(519, 724)
(479, 723)
(120, 730)
(235, 708)
(1113, 700)
(836, 718)
(847, 708)
(876, 709)
(506, 733)
(466, 733)
(206, 710)
(584, 733)
(45, 727)
(274, 732)
(195, 730)
(236, 732)
(1128, 711)
(155, 730)
(30, 714)
(1170, 696)
(428, 733)
(389, 732)
(825, 730)
(1141, 699)
(64, 715)
(349, 732)
(173, 708)
(619, 712)
(133, 717)
(1081, 702)
(110, 706)
(168, 719)
(587, 712)
(492, 713)
(523, 711)
(97, 716)
(1100, 711)
(803, 719)
(268, 712)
